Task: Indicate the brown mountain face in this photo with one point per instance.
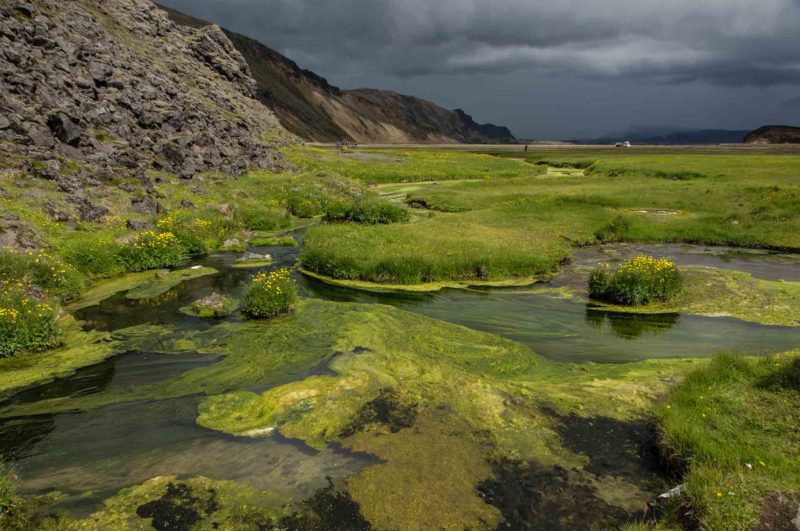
(307, 105)
(774, 134)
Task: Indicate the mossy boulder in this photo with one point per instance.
(213, 305)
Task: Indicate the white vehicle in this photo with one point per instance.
(625, 144)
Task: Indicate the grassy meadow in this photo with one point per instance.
(521, 225)
(409, 165)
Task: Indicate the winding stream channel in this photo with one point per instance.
(92, 454)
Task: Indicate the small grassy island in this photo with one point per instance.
(638, 281)
(270, 294)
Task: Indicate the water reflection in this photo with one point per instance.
(630, 325)
(119, 373)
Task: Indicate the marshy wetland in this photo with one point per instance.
(444, 369)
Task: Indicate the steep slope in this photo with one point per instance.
(774, 134)
(312, 108)
(113, 86)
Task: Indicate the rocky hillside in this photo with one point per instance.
(112, 86)
(312, 108)
(774, 134)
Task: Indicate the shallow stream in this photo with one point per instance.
(91, 455)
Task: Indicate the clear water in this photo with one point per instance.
(93, 454)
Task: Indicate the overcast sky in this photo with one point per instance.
(547, 69)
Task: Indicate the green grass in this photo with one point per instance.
(719, 292)
(369, 210)
(223, 208)
(517, 226)
(443, 247)
(397, 165)
(638, 281)
(733, 426)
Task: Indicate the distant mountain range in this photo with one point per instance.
(310, 107)
(674, 137)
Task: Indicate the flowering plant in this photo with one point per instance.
(27, 320)
(151, 250)
(641, 280)
(270, 294)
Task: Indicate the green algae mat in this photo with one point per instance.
(459, 405)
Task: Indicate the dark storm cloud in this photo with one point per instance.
(731, 42)
(792, 103)
(547, 69)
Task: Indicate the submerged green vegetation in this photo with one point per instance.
(77, 349)
(408, 389)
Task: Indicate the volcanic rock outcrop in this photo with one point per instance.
(774, 134)
(114, 86)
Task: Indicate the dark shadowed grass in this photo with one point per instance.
(9, 499)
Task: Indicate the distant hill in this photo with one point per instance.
(307, 105)
(774, 134)
(680, 137)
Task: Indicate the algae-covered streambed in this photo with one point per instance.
(464, 408)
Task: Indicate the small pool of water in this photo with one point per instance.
(119, 312)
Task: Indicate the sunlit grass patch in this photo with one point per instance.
(152, 250)
(732, 426)
(718, 292)
(444, 247)
(376, 166)
(481, 224)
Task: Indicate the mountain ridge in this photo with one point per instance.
(774, 134)
(312, 108)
